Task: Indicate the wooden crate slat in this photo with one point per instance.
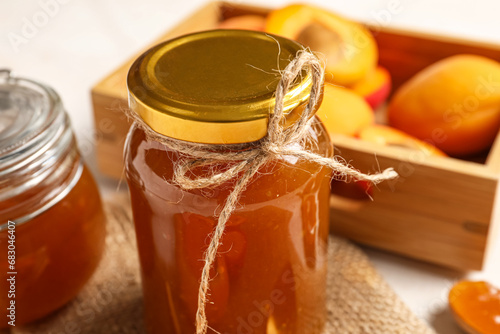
(441, 212)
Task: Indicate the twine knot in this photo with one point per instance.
(277, 143)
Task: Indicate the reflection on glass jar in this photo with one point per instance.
(270, 271)
(51, 217)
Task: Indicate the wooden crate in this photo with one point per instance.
(440, 210)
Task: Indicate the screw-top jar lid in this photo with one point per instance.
(214, 87)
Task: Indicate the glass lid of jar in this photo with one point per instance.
(26, 110)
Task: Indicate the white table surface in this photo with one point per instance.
(82, 41)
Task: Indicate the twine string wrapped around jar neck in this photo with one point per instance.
(277, 143)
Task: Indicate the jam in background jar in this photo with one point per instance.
(50, 209)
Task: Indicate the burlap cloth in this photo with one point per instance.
(360, 302)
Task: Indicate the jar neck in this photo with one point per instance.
(40, 172)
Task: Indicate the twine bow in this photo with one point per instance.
(276, 144)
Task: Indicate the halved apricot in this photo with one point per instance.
(385, 135)
(343, 111)
(349, 48)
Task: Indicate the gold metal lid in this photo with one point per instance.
(214, 87)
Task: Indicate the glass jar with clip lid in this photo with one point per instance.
(52, 225)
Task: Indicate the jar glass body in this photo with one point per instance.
(270, 272)
(52, 225)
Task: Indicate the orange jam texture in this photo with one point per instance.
(269, 276)
(478, 305)
(56, 253)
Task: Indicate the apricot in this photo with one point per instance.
(476, 307)
(385, 135)
(375, 87)
(349, 48)
(244, 22)
(343, 111)
(455, 103)
(359, 190)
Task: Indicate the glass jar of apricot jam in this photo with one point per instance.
(212, 88)
(52, 225)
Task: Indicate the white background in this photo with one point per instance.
(82, 41)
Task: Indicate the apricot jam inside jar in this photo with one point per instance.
(52, 225)
(217, 87)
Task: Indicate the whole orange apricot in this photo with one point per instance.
(349, 48)
(375, 87)
(344, 112)
(454, 103)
